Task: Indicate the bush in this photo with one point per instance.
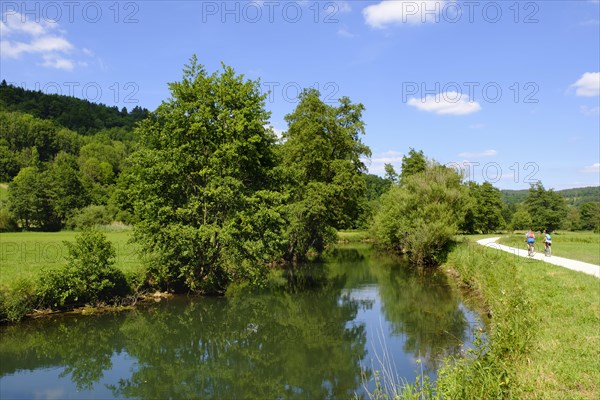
(17, 301)
(89, 276)
(7, 222)
(90, 216)
(421, 216)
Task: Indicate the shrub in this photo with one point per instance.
(7, 222)
(17, 301)
(90, 216)
(89, 276)
(421, 216)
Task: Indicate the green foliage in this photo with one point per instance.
(66, 189)
(79, 115)
(521, 219)
(572, 221)
(420, 216)
(88, 277)
(90, 216)
(20, 131)
(9, 164)
(574, 197)
(484, 213)
(413, 163)
(390, 173)
(7, 222)
(30, 202)
(590, 216)
(201, 185)
(547, 208)
(17, 301)
(323, 172)
(376, 186)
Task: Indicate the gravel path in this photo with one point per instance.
(590, 269)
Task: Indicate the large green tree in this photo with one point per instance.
(590, 216)
(547, 208)
(65, 187)
(201, 183)
(30, 201)
(325, 184)
(484, 213)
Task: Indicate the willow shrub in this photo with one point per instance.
(420, 216)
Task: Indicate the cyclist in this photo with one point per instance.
(530, 239)
(547, 242)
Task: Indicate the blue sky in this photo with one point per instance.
(508, 91)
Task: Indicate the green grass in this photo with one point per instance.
(28, 254)
(582, 246)
(3, 192)
(353, 236)
(544, 338)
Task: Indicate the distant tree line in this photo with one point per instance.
(81, 116)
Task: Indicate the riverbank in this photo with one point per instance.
(543, 339)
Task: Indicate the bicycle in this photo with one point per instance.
(530, 250)
(548, 249)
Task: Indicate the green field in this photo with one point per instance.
(28, 254)
(582, 246)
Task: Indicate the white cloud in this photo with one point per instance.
(589, 111)
(479, 154)
(21, 37)
(343, 32)
(403, 12)
(376, 163)
(588, 85)
(594, 168)
(343, 6)
(446, 103)
(54, 61)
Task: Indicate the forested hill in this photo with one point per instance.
(574, 197)
(81, 116)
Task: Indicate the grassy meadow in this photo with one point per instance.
(582, 246)
(27, 254)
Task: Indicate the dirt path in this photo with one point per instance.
(590, 269)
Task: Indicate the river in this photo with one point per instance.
(321, 337)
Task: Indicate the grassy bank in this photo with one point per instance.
(582, 246)
(543, 340)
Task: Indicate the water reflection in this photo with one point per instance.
(308, 343)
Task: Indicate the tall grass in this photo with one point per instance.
(543, 339)
(489, 369)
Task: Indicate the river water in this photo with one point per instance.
(321, 337)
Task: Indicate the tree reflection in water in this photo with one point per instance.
(303, 342)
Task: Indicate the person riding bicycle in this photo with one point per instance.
(547, 240)
(530, 239)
